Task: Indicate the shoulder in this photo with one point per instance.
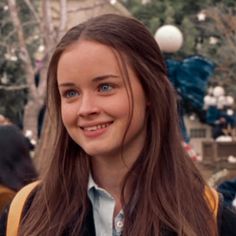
(20, 204)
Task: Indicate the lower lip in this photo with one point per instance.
(95, 133)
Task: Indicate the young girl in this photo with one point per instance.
(117, 166)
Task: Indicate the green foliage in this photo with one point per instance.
(11, 67)
(198, 35)
(151, 14)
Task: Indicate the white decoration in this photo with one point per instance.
(210, 90)
(229, 101)
(113, 2)
(213, 40)
(222, 99)
(232, 159)
(224, 138)
(41, 48)
(221, 102)
(229, 112)
(4, 79)
(10, 57)
(169, 38)
(13, 58)
(201, 16)
(210, 101)
(33, 142)
(213, 101)
(207, 100)
(234, 202)
(28, 133)
(192, 117)
(218, 91)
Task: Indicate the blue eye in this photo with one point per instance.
(105, 88)
(71, 93)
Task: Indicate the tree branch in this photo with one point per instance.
(63, 17)
(48, 24)
(24, 54)
(225, 24)
(13, 87)
(31, 7)
(100, 4)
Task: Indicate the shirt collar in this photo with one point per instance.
(91, 183)
(94, 190)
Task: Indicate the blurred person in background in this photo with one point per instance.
(4, 120)
(16, 166)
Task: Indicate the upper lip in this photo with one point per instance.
(87, 125)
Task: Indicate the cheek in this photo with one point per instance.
(139, 118)
(117, 106)
(68, 113)
(140, 111)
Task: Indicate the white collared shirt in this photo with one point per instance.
(103, 208)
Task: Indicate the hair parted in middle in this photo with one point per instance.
(167, 186)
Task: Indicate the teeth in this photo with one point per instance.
(94, 128)
(91, 128)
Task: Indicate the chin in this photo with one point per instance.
(94, 152)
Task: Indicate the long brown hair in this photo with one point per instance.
(167, 186)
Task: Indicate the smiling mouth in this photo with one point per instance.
(96, 127)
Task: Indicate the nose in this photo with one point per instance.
(88, 106)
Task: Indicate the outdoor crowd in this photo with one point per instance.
(116, 165)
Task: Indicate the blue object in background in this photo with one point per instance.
(212, 115)
(228, 189)
(190, 77)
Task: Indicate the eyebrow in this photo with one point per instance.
(104, 77)
(94, 80)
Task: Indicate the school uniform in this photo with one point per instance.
(226, 219)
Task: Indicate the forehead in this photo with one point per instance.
(86, 57)
(89, 50)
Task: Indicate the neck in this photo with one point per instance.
(109, 176)
(109, 170)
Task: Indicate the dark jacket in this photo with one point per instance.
(226, 223)
(228, 189)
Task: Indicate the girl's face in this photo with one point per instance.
(94, 101)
